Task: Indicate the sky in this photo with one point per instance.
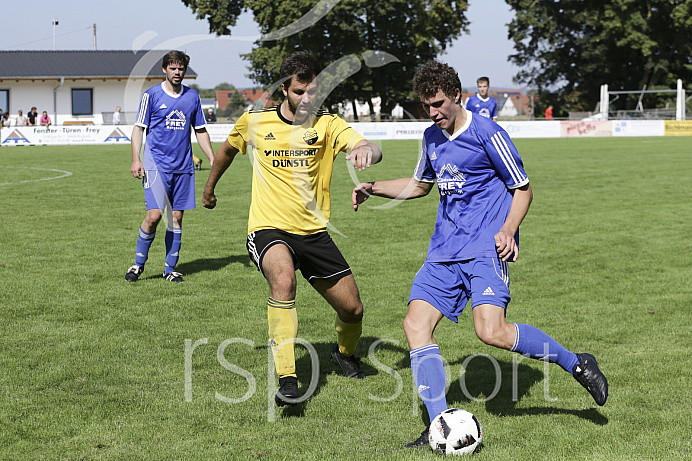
(136, 24)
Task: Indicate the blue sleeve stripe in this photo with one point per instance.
(421, 167)
(418, 171)
(142, 109)
(507, 158)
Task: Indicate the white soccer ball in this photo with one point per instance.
(455, 432)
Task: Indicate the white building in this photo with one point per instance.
(79, 87)
(506, 107)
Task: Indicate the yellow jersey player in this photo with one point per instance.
(293, 148)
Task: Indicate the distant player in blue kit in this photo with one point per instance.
(168, 112)
(481, 103)
(484, 196)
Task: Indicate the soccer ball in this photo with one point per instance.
(455, 432)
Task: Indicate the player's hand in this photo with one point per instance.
(506, 245)
(361, 193)
(137, 169)
(360, 157)
(208, 199)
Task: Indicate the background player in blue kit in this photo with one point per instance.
(484, 196)
(481, 103)
(168, 112)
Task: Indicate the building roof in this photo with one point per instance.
(251, 96)
(82, 64)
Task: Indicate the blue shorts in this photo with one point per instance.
(449, 286)
(164, 189)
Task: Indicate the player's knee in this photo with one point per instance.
(348, 310)
(177, 219)
(492, 335)
(415, 330)
(486, 336)
(283, 287)
(354, 312)
(153, 217)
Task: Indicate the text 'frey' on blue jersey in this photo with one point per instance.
(169, 119)
(475, 169)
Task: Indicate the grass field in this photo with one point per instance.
(96, 368)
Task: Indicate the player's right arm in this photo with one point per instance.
(397, 189)
(137, 168)
(222, 160)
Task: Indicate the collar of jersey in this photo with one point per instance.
(458, 132)
(173, 95)
(306, 122)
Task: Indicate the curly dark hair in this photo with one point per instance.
(302, 64)
(435, 76)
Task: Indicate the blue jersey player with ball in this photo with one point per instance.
(484, 196)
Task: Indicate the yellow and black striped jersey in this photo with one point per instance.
(292, 167)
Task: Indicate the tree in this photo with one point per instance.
(225, 86)
(235, 106)
(211, 93)
(373, 47)
(575, 46)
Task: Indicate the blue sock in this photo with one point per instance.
(429, 376)
(534, 343)
(173, 235)
(144, 242)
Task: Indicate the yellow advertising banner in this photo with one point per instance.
(678, 128)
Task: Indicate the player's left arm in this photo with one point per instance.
(504, 240)
(204, 142)
(364, 154)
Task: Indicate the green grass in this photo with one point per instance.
(94, 368)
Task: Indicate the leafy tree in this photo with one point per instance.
(235, 106)
(211, 93)
(575, 46)
(373, 47)
(225, 86)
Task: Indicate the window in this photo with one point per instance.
(82, 101)
(5, 100)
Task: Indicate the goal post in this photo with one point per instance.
(680, 102)
(604, 105)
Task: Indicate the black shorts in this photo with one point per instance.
(316, 255)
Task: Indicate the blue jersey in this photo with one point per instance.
(169, 120)
(475, 170)
(486, 107)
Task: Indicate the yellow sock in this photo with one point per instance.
(347, 336)
(283, 325)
